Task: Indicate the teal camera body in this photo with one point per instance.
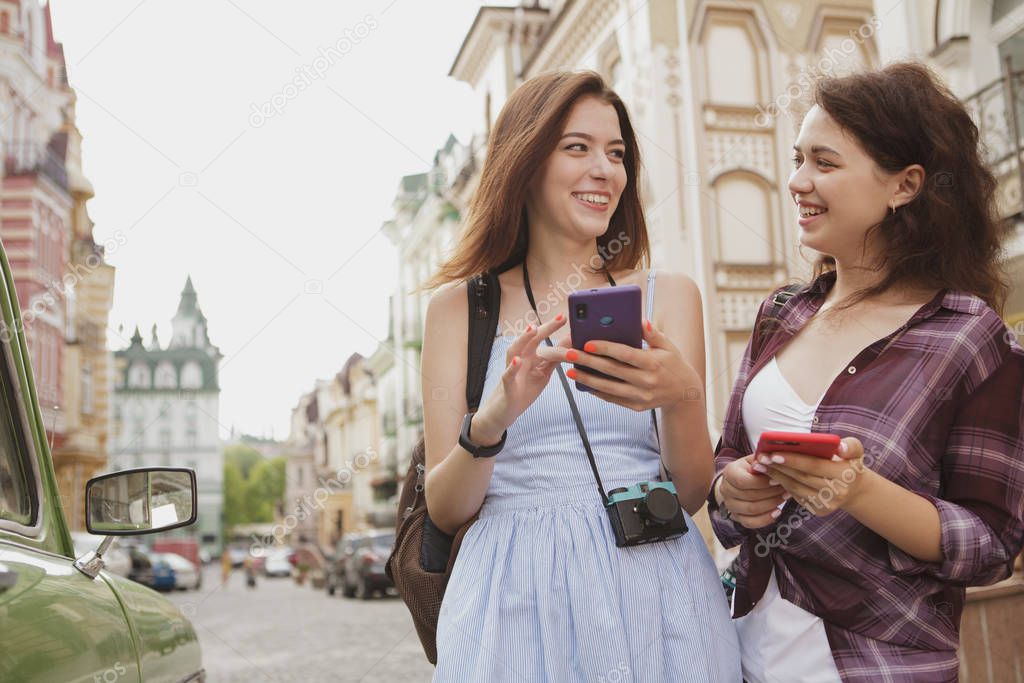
(647, 512)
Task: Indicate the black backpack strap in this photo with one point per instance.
(484, 293)
(781, 297)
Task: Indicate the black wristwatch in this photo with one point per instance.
(475, 450)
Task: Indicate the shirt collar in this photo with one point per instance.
(953, 300)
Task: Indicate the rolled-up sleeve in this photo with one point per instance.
(981, 496)
(729, 533)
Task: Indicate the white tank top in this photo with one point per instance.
(778, 640)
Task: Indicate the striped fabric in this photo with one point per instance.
(540, 593)
(939, 412)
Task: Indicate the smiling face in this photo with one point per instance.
(839, 190)
(580, 184)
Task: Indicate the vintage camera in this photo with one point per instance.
(647, 512)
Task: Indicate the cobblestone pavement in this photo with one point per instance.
(280, 632)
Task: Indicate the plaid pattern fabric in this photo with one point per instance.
(938, 407)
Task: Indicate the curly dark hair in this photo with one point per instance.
(950, 235)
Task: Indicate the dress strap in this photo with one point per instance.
(650, 295)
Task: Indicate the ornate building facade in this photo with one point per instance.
(64, 284)
(166, 407)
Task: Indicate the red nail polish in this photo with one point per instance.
(515, 360)
(571, 373)
(590, 347)
(571, 355)
(529, 328)
(559, 317)
(649, 327)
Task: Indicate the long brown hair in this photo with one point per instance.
(950, 235)
(495, 236)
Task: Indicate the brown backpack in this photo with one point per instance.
(423, 556)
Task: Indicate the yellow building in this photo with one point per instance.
(354, 453)
(87, 363)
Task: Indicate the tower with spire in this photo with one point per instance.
(166, 408)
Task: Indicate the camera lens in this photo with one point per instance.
(659, 506)
(581, 311)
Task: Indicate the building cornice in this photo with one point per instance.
(490, 28)
(575, 30)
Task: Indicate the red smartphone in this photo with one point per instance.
(606, 313)
(806, 443)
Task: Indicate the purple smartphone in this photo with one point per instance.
(605, 314)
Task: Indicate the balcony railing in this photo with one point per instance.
(31, 157)
(997, 110)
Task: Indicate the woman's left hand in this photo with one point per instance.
(655, 377)
(820, 485)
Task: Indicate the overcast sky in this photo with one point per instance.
(275, 216)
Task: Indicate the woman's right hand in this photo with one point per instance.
(751, 498)
(526, 374)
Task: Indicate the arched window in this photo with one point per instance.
(191, 376)
(166, 377)
(732, 68)
(744, 219)
(138, 376)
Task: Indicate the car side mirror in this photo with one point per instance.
(141, 501)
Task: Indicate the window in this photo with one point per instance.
(744, 212)
(17, 497)
(191, 376)
(166, 377)
(87, 391)
(138, 376)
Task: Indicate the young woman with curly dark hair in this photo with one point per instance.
(855, 568)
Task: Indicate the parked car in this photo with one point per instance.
(186, 575)
(238, 554)
(278, 562)
(185, 547)
(63, 619)
(116, 559)
(149, 569)
(358, 564)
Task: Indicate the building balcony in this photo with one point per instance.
(31, 157)
(997, 110)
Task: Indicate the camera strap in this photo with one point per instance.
(565, 385)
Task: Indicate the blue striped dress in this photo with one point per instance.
(540, 593)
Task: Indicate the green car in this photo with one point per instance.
(64, 619)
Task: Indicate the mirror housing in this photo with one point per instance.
(143, 500)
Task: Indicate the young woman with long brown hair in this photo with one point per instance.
(855, 568)
(540, 591)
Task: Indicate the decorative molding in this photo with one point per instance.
(728, 152)
(737, 276)
(725, 117)
(844, 18)
(738, 310)
(575, 32)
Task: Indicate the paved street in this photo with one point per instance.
(284, 633)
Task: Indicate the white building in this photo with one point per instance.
(978, 47)
(166, 405)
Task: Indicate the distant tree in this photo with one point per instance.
(264, 488)
(245, 457)
(234, 495)
(253, 486)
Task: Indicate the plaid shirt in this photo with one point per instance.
(938, 407)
